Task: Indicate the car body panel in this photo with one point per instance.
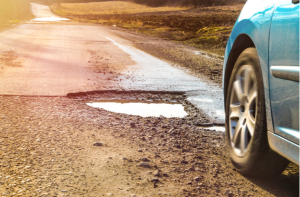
(255, 22)
(284, 147)
(284, 75)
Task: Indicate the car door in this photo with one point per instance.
(284, 69)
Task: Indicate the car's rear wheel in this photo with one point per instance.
(246, 130)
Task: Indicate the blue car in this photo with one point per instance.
(261, 87)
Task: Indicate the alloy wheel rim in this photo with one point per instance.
(243, 110)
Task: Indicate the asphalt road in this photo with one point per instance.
(52, 56)
(47, 142)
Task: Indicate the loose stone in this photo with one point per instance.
(144, 164)
(144, 159)
(197, 178)
(98, 144)
(156, 173)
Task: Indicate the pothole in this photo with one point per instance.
(142, 108)
(148, 104)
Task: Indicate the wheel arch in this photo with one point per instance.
(242, 42)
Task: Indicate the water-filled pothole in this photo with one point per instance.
(187, 115)
(144, 109)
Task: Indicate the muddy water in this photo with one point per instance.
(144, 109)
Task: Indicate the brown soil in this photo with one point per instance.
(47, 149)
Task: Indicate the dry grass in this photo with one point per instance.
(13, 11)
(207, 28)
(111, 7)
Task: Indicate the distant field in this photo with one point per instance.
(207, 28)
(194, 3)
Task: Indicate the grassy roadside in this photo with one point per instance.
(5, 23)
(13, 12)
(206, 28)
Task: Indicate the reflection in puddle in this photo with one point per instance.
(144, 109)
(50, 19)
(43, 13)
(216, 128)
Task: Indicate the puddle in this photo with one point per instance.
(216, 128)
(50, 19)
(43, 13)
(144, 109)
(210, 56)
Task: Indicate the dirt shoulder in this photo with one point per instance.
(198, 63)
(48, 148)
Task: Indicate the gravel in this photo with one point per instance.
(47, 148)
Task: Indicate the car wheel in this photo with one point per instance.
(246, 130)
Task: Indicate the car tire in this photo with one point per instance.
(246, 131)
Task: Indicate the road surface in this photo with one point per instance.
(52, 56)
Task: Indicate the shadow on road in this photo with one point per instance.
(286, 184)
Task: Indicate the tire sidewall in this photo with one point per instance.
(258, 141)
